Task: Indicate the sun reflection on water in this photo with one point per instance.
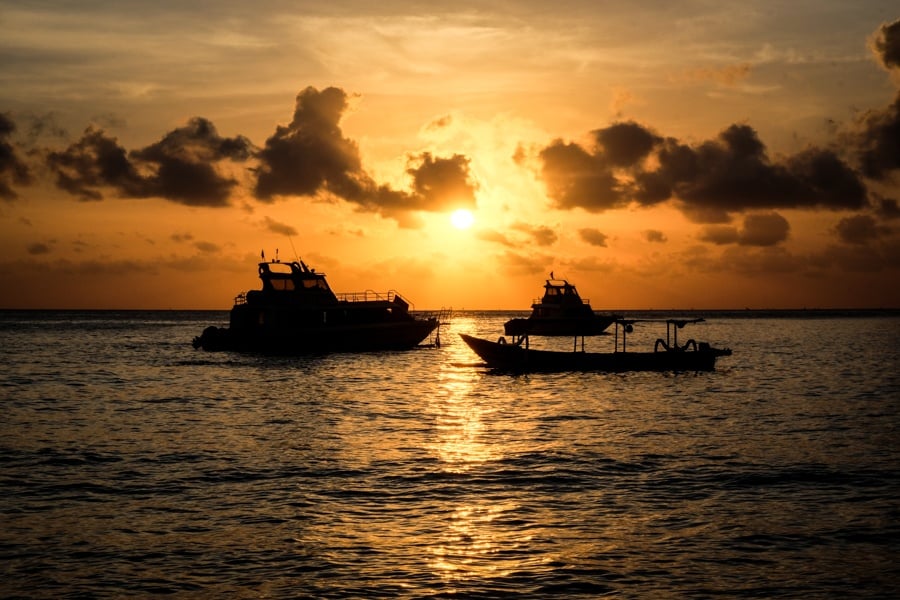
(482, 538)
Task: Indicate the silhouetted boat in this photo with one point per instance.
(667, 355)
(296, 311)
(560, 312)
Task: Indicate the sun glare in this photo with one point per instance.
(462, 218)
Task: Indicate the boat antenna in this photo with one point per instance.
(291, 240)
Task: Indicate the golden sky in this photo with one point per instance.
(657, 154)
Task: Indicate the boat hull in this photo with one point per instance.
(514, 358)
(356, 338)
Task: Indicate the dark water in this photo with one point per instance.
(132, 465)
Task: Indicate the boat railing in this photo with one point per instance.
(369, 296)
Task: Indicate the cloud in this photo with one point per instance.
(885, 44)
(578, 177)
(541, 235)
(183, 164)
(710, 180)
(762, 230)
(860, 229)
(310, 156)
(280, 228)
(207, 247)
(593, 236)
(887, 208)
(655, 236)
(95, 161)
(442, 183)
(877, 141)
(728, 76)
(180, 167)
(495, 237)
(13, 170)
(38, 248)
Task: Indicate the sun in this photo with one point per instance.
(462, 218)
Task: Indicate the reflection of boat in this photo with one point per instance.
(296, 311)
(667, 355)
(561, 311)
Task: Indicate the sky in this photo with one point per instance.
(659, 155)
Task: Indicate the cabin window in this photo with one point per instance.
(315, 283)
(282, 284)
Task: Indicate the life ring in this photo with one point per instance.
(501, 340)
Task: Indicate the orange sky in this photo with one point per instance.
(669, 155)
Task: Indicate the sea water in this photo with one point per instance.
(132, 465)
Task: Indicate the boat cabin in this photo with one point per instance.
(560, 299)
(294, 280)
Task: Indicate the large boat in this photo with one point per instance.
(560, 312)
(667, 355)
(296, 312)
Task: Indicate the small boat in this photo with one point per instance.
(560, 312)
(296, 312)
(667, 355)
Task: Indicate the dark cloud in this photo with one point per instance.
(540, 235)
(442, 183)
(878, 141)
(625, 144)
(310, 156)
(38, 248)
(860, 229)
(592, 236)
(888, 208)
(310, 153)
(730, 174)
(720, 234)
(280, 228)
(763, 230)
(655, 236)
(95, 161)
(206, 247)
(180, 167)
(885, 43)
(576, 178)
(13, 170)
(182, 164)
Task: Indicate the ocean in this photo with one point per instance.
(132, 465)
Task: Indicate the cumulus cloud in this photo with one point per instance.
(180, 167)
(13, 170)
(310, 156)
(860, 229)
(711, 180)
(766, 229)
(885, 44)
(878, 141)
(592, 236)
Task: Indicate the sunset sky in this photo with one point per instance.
(690, 154)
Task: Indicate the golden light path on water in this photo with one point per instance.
(478, 541)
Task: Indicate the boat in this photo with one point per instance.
(297, 312)
(560, 312)
(667, 355)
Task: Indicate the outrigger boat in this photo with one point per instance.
(667, 354)
(296, 312)
(560, 312)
